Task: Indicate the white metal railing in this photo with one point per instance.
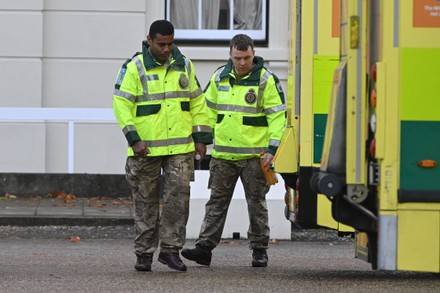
(69, 115)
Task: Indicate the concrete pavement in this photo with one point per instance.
(42, 199)
(65, 209)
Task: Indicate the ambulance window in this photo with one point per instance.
(217, 20)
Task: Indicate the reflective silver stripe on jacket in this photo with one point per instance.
(156, 97)
(160, 96)
(234, 108)
(275, 109)
(217, 78)
(201, 128)
(169, 95)
(153, 77)
(211, 104)
(128, 96)
(142, 76)
(128, 128)
(275, 142)
(262, 86)
(168, 142)
(151, 97)
(241, 109)
(121, 75)
(223, 88)
(237, 150)
(251, 110)
(176, 94)
(188, 66)
(196, 93)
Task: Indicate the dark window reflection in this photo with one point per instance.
(216, 14)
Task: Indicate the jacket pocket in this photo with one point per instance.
(255, 121)
(146, 110)
(184, 106)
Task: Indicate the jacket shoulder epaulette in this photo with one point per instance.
(130, 59)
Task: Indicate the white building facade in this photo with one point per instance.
(60, 58)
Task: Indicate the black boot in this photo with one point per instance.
(201, 255)
(259, 258)
(172, 260)
(143, 262)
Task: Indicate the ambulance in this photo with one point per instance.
(378, 167)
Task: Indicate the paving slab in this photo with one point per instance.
(65, 211)
(106, 208)
(21, 208)
(54, 207)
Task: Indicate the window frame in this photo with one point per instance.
(220, 36)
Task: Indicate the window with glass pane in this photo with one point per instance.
(217, 20)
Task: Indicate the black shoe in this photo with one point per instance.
(143, 262)
(172, 260)
(201, 255)
(259, 258)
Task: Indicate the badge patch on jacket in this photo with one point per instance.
(250, 96)
(183, 81)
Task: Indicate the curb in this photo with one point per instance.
(64, 221)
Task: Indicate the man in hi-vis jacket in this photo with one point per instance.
(248, 116)
(162, 112)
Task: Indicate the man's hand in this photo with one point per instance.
(140, 148)
(267, 160)
(201, 150)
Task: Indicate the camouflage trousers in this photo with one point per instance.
(224, 175)
(160, 217)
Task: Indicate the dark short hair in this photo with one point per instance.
(163, 27)
(241, 42)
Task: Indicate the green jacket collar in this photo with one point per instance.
(255, 74)
(149, 63)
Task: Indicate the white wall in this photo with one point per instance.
(237, 219)
(66, 54)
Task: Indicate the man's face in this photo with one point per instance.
(161, 47)
(242, 60)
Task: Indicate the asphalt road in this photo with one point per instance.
(44, 264)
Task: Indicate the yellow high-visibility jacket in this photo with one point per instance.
(164, 107)
(248, 116)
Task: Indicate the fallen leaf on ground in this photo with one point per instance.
(68, 198)
(74, 239)
(56, 193)
(10, 196)
(227, 242)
